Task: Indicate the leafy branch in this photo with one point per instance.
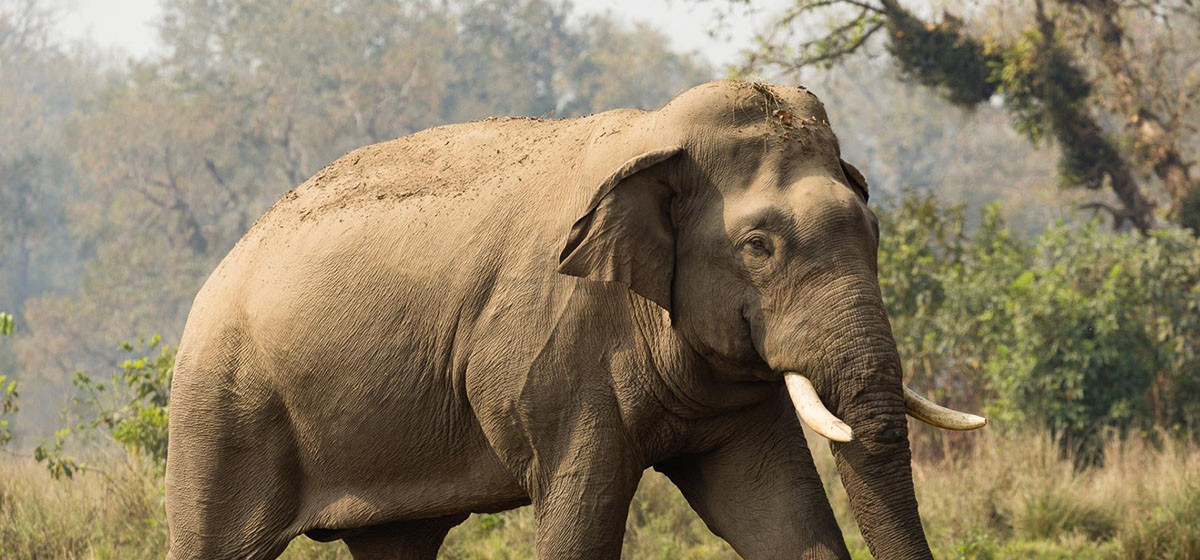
(129, 408)
(8, 387)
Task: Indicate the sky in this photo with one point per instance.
(128, 25)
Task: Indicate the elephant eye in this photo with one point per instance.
(760, 245)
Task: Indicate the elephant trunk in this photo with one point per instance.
(875, 466)
(848, 352)
(842, 354)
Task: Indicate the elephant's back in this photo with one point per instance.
(459, 162)
(406, 236)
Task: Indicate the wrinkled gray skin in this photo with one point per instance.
(515, 311)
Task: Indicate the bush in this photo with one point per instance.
(1076, 328)
(129, 408)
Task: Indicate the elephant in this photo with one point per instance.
(525, 311)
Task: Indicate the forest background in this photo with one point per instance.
(1032, 161)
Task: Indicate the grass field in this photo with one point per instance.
(1011, 497)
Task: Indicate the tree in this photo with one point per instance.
(907, 144)
(40, 85)
(601, 77)
(1071, 69)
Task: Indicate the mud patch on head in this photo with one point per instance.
(799, 111)
(758, 103)
(782, 115)
(790, 109)
(768, 94)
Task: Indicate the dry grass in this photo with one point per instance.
(101, 516)
(1012, 497)
(1018, 497)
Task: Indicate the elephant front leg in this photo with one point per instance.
(581, 478)
(583, 515)
(760, 491)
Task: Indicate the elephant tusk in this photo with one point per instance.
(810, 409)
(939, 416)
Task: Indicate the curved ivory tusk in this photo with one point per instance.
(939, 416)
(810, 409)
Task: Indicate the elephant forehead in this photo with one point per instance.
(763, 156)
(738, 104)
(743, 128)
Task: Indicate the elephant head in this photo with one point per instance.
(735, 212)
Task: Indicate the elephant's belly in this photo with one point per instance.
(415, 466)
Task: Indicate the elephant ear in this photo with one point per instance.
(627, 234)
(856, 179)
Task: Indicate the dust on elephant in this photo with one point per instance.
(513, 311)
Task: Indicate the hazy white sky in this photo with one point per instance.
(126, 24)
(129, 24)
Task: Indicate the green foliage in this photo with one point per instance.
(7, 325)
(8, 388)
(939, 283)
(943, 58)
(1105, 331)
(1045, 91)
(1076, 329)
(8, 407)
(129, 408)
(1035, 80)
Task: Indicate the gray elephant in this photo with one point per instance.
(524, 311)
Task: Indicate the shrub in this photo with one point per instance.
(1076, 329)
(129, 408)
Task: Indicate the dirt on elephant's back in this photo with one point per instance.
(452, 160)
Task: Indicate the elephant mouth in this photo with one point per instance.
(813, 412)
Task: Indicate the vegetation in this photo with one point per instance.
(8, 389)
(129, 409)
(1074, 330)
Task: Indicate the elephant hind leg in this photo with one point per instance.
(233, 474)
(404, 540)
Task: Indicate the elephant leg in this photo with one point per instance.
(760, 490)
(404, 540)
(232, 484)
(581, 481)
(584, 518)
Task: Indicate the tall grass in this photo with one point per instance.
(1018, 497)
(1011, 496)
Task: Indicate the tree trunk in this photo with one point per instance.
(1154, 145)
